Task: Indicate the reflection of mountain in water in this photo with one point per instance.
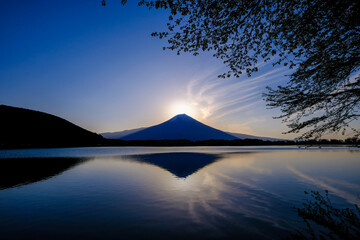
(179, 164)
(17, 172)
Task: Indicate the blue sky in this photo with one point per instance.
(99, 68)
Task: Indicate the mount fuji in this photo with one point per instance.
(179, 127)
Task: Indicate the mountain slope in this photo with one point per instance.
(120, 134)
(19, 126)
(180, 127)
(246, 136)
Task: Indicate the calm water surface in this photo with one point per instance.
(167, 193)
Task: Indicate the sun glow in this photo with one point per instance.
(181, 108)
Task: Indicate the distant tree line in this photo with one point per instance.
(236, 142)
(184, 142)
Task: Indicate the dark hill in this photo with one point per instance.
(28, 128)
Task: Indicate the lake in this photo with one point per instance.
(168, 193)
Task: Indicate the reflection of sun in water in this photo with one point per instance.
(182, 107)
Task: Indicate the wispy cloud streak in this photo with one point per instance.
(216, 98)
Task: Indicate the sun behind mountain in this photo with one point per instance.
(182, 108)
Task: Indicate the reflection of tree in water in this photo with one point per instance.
(324, 221)
(17, 172)
(180, 164)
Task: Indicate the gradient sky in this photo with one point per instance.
(99, 68)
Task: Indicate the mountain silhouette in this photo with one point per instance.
(24, 127)
(125, 133)
(181, 165)
(179, 127)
